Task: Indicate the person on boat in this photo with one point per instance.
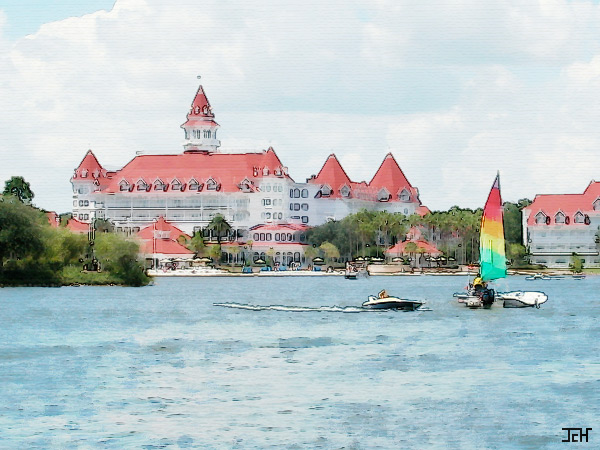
(478, 284)
(383, 294)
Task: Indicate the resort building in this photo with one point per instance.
(253, 191)
(556, 226)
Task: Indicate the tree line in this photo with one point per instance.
(454, 232)
(32, 252)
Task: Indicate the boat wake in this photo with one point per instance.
(335, 308)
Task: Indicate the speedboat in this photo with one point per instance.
(520, 299)
(538, 276)
(391, 303)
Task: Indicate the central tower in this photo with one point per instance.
(200, 127)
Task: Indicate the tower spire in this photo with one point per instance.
(200, 127)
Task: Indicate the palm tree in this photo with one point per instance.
(219, 226)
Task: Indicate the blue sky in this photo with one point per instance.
(455, 90)
(25, 16)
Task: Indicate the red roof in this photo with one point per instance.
(228, 170)
(422, 210)
(52, 219)
(568, 204)
(399, 248)
(78, 227)
(390, 176)
(165, 247)
(89, 167)
(200, 112)
(162, 225)
(280, 227)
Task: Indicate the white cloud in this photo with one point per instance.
(455, 89)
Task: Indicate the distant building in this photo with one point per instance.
(556, 226)
(250, 190)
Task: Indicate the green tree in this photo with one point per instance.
(197, 245)
(20, 188)
(219, 226)
(576, 263)
(330, 251)
(119, 255)
(515, 253)
(21, 230)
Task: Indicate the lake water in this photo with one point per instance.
(162, 367)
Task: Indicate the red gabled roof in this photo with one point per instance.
(200, 111)
(568, 204)
(332, 174)
(390, 176)
(162, 225)
(78, 227)
(227, 169)
(165, 247)
(422, 211)
(280, 227)
(52, 219)
(89, 167)
(399, 248)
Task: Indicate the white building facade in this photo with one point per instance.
(557, 226)
(247, 189)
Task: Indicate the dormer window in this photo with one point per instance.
(159, 185)
(193, 185)
(124, 185)
(84, 173)
(540, 218)
(404, 195)
(141, 185)
(345, 191)
(211, 184)
(597, 205)
(176, 185)
(559, 217)
(579, 217)
(265, 171)
(245, 185)
(277, 172)
(383, 195)
(325, 190)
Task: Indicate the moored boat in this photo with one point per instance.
(520, 299)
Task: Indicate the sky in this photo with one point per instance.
(457, 90)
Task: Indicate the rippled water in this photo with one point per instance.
(162, 367)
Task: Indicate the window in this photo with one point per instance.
(74, 202)
(559, 217)
(268, 188)
(282, 239)
(325, 191)
(211, 185)
(296, 193)
(86, 216)
(296, 206)
(291, 206)
(540, 217)
(277, 236)
(383, 195)
(80, 202)
(304, 193)
(404, 195)
(579, 217)
(289, 237)
(159, 185)
(176, 185)
(265, 171)
(266, 202)
(255, 236)
(597, 204)
(304, 206)
(84, 173)
(304, 219)
(302, 238)
(406, 211)
(268, 215)
(86, 203)
(269, 237)
(345, 191)
(123, 186)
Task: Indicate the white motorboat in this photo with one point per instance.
(391, 303)
(520, 299)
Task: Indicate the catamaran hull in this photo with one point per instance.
(391, 303)
(519, 299)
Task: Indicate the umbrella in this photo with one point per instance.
(178, 260)
(204, 259)
(318, 260)
(397, 259)
(377, 259)
(452, 258)
(259, 261)
(360, 258)
(163, 261)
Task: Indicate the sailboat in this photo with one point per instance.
(492, 260)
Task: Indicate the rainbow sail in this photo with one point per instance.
(492, 257)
